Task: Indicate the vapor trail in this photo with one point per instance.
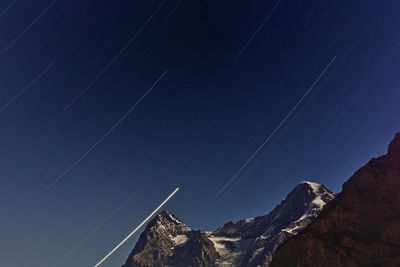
(27, 28)
(7, 8)
(27, 87)
(106, 134)
(276, 129)
(115, 58)
(257, 31)
(138, 227)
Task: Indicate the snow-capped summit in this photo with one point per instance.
(264, 234)
(166, 221)
(167, 241)
(360, 227)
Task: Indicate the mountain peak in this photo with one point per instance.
(165, 214)
(312, 184)
(158, 240)
(167, 241)
(168, 222)
(394, 146)
(360, 227)
(309, 193)
(315, 186)
(257, 238)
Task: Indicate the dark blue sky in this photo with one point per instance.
(198, 125)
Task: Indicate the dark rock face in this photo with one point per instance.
(155, 245)
(301, 206)
(360, 227)
(166, 241)
(198, 251)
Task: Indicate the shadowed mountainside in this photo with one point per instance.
(360, 227)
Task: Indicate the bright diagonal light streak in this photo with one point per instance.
(138, 227)
(106, 134)
(276, 129)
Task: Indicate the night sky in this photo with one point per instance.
(83, 161)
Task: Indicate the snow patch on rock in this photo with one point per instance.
(230, 249)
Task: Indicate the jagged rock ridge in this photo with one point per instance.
(167, 241)
(360, 227)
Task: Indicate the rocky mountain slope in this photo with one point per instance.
(360, 227)
(167, 241)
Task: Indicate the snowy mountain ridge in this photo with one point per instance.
(167, 241)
